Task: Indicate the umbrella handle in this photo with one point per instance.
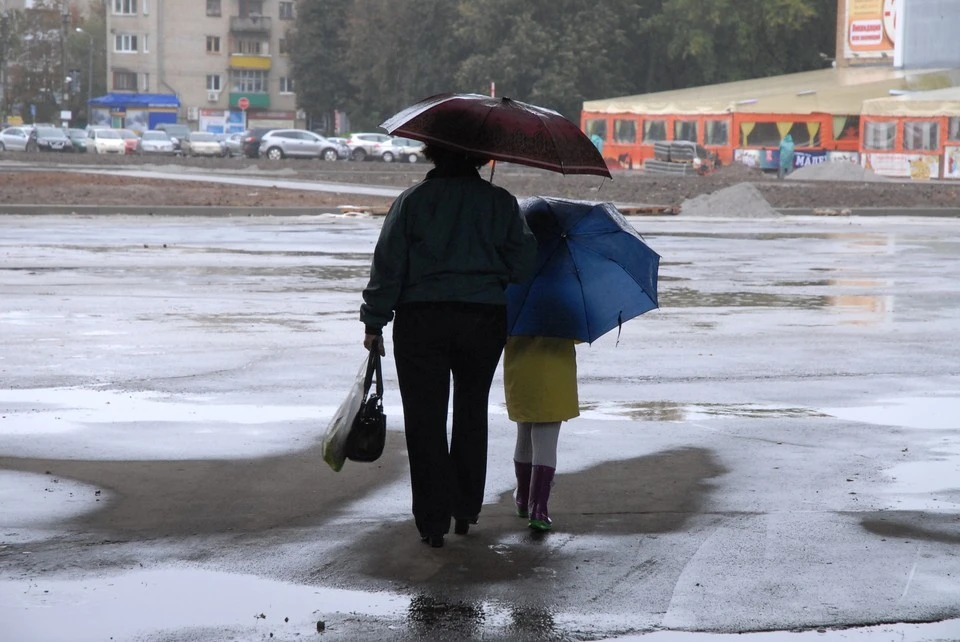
(493, 168)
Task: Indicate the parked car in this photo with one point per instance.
(107, 141)
(405, 149)
(18, 139)
(251, 141)
(156, 142)
(343, 149)
(176, 131)
(78, 138)
(201, 144)
(365, 146)
(296, 143)
(131, 140)
(52, 139)
(234, 144)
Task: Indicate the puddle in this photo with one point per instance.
(669, 411)
(923, 413)
(690, 298)
(135, 604)
(935, 631)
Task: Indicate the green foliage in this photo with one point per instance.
(373, 57)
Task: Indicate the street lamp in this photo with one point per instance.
(89, 70)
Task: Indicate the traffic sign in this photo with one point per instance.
(243, 103)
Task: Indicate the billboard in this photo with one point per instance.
(870, 28)
(929, 33)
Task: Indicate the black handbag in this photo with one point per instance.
(368, 434)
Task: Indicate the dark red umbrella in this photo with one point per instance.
(502, 129)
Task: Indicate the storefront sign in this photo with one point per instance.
(951, 162)
(802, 159)
(871, 28)
(914, 166)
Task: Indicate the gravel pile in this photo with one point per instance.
(737, 201)
(836, 171)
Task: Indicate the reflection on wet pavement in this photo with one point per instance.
(671, 411)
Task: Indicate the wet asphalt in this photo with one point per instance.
(774, 449)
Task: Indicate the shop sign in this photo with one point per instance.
(951, 162)
(914, 166)
(870, 26)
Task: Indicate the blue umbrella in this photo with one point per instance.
(594, 272)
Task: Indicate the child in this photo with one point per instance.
(540, 386)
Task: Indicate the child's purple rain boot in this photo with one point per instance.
(541, 479)
(522, 468)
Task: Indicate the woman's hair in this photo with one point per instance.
(446, 157)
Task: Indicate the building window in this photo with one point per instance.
(250, 8)
(124, 7)
(880, 135)
(286, 10)
(953, 129)
(145, 85)
(213, 82)
(125, 81)
(250, 47)
(125, 43)
(921, 136)
(283, 46)
(213, 7)
(685, 130)
(654, 130)
(213, 44)
(596, 127)
(286, 85)
(146, 7)
(625, 131)
(250, 81)
(146, 43)
(716, 132)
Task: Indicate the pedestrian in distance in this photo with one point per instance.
(448, 248)
(540, 388)
(787, 151)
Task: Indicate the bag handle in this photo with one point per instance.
(373, 365)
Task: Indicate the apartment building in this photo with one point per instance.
(224, 61)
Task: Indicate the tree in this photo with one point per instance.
(317, 56)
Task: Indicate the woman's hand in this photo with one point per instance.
(374, 341)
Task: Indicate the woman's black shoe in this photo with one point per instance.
(435, 540)
(462, 526)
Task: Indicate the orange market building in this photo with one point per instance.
(914, 135)
(745, 120)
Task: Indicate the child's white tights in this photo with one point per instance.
(537, 443)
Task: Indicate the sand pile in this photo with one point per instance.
(836, 171)
(742, 200)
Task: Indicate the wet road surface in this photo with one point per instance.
(775, 449)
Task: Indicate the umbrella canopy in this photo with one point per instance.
(593, 272)
(501, 129)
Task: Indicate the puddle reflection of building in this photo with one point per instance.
(867, 309)
(430, 615)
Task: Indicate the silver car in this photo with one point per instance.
(296, 143)
(156, 142)
(18, 139)
(366, 145)
(403, 149)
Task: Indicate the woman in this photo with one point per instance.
(448, 248)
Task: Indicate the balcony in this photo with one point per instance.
(250, 61)
(257, 24)
(257, 101)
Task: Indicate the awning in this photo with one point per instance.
(136, 100)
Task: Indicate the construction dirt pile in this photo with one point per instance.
(742, 200)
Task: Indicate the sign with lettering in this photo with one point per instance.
(870, 26)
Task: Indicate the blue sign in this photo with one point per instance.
(802, 159)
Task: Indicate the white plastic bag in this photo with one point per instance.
(335, 438)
